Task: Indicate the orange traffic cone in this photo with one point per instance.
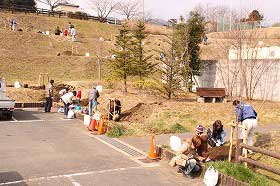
(101, 126)
(153, 154)
(92, 125)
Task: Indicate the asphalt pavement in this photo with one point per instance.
(40, 148)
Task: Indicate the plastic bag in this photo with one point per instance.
(96, 116)
(60, 110)
(71, 114)
(211, 176)
(175, 143)
(87, 120)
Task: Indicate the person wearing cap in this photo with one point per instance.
(49, 96)
(93, 94)
(202, 148)
(247, 116)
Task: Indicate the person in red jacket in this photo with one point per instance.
(65, 32)
(79, 96)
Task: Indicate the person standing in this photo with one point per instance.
(73, 34)
(67, 100)
(13, 24)
(79, 96)
(70, 26)
(93, 94)
(247, 116)
(49, 96)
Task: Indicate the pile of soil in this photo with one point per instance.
(140, 112)
(219, 153)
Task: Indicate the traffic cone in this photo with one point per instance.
(153, 154)
(101, 126)
(92, 125)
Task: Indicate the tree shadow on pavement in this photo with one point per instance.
(12, 176)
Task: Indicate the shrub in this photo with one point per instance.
(177, 128)
(78, 15)
(149, 86)
(115, 131)
(157, 127)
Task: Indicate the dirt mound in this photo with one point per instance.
(139, 112)
(219, 153)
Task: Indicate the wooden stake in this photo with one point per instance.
(114, 108)
(231, 143)
(245, 141)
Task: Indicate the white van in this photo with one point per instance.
(7, 105)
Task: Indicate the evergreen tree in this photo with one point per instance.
(255, 16)
(26, 3)
(195, 31)
(170, 66)
(122, 64)
(142, 65)
(182, 43)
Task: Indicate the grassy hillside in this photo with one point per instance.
(24, 55)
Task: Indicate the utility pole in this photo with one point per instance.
(101, 39)
(230, 17)
(143, 4)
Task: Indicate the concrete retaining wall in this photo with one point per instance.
(220, 74)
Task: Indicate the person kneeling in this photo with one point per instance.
(216, 136)
(187, 159)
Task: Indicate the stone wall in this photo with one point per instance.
(226, 74)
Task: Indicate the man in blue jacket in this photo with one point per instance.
(247, 116)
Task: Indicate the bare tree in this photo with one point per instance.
(129, 8)
(244, 67)
(104, 8)
(227, 69)
(51, 3)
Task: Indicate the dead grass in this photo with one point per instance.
(269, 141)
(25, 95)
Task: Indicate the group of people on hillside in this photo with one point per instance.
(195, 150)
(70, 31)
(69, 97)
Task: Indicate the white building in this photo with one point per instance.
(271, 52)
(67, 7)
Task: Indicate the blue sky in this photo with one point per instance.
(166, 9)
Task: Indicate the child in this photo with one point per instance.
(216, 136)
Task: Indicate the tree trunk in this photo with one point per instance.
(169, 94)
(125, 86)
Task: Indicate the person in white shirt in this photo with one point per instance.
(73, 34)
(67, 100)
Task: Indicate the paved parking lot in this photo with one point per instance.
(43, 149)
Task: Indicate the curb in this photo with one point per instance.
(224, 180)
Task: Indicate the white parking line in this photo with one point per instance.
(79, 174)
(27, 121)
(74, 182)
(14, 119)
(22, 121)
